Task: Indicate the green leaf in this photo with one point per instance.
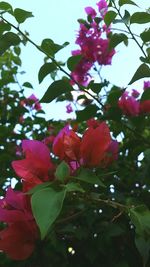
(148, 51)
(145, 36)
(38, 187)
(145, 95)
(28, 85)
(16, 60)
(7, 40)
(73, 187)
(62, 171)
(73, 61)
(87, 113)
(116, 39)
(114, 95)
(46, 69)
(145, 59)
(56, 89)
(6, 7)
(97, 20)
(96, 87)
(140, 217)
(46, 206)
(17, 50)
(114, 113)
(142, 72)
(109, 17)
(126, 2)
(4, 27)
(88, 176)
(143, 246)
(51, 48)
(126, 17)
(21, 15)
(140, 18)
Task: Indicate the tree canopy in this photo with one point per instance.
(76, 191)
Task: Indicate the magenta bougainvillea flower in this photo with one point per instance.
(146, 85)
(145, 107)
(111, 153)
(67, 145)
(93, 41)
(102, 7)
(94, 144)
(37, 166)
(32, 101)
(91, 150)
(90, 11)
(93, 46)
(135, 93)
(18, 239)
(69, 108)
(129, 105)
(80, 74)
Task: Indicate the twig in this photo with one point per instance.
(117, 216)
(52, 59)
(133, 35)
(71, 217)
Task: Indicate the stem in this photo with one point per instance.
(113, 204)
(129, 30)
(121, 30)
(52, 59)
(71, 217)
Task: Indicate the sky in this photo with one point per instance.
(57, 20)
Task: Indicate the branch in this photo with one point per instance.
(52, 59)
(129, 30)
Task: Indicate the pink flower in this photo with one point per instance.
(93, 46)
(37, 166)
(145, 107)
(67, 145)
(31, 101)
(49, 140)
(129, 105)
(80, 74)
(103, 53)
(93, 123)
(90, 11)
(102, 7)
(111, 153)
(37, 106)
(94, 144)
(135, 93)
(33, 98)
(146, 85)
(69, 108)
(18, 239)
(15, 207)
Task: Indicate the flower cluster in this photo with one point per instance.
(95, 148)
(131, 105)
(32, 101)
(18, 239)
(94, 44)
